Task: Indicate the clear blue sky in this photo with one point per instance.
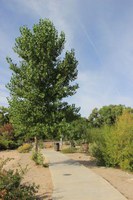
(100, 31)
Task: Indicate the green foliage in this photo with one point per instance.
(77, 131)
(7, 144)
(107, 115)
(95, 151)
(41, 144)
(41, 80)
(11, 187)
(69, 150)
(38, 158)
(124, 131)
(114, 145)
(66, 114)
(4, 144)
(7, 135)
(25, 148)
(4, 115)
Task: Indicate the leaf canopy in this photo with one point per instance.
(42, 79)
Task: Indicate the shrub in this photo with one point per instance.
(7, 144)
(114, 145)
(96, 150)
(38, 158)
(119, 145)
(41, 144)
(11, 187)
(25, 148)
(124, 131)
(3, 144)
(69, 150)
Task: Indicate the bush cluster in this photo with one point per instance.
(7, 137)
(11, 186)
(115, 146)
(7, 144)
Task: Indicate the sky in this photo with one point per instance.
(100, 31)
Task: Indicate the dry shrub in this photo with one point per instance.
(25, 148)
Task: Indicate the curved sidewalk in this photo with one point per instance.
(72, 181)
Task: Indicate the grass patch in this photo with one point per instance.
(69, 150)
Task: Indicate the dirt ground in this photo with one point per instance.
(121, 180)
(35, 174)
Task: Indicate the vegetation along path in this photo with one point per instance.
(71, 180)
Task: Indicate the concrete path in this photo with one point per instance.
(73, 181)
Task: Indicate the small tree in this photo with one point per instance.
(41, 79)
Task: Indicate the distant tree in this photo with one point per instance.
(107, 115)
(41, 80)
(77, 130)
(94, 118)
(66, 115)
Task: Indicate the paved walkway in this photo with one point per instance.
(73, 181)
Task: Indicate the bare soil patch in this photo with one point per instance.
(121, 180)
(35, 174)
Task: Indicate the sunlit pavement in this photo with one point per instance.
(72, 181)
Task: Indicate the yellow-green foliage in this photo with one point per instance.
(115, 148)
(25, 148)
(38, 158)
(119, 143)
(124, 132)
(69, 150)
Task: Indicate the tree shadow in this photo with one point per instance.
(46, 196)
(76, 162)
(88, 163)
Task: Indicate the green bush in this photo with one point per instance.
(4, 144)
(69, 150)
(119, 144)
(38, 158)
(126, 155)
(7, 144)
(41, 144)
(113, 146)
(25, 148)
(96, 150)
(11, 187)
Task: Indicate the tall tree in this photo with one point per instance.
(41, 80)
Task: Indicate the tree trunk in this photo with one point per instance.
(36, 144)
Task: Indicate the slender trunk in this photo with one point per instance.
(36, 144)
